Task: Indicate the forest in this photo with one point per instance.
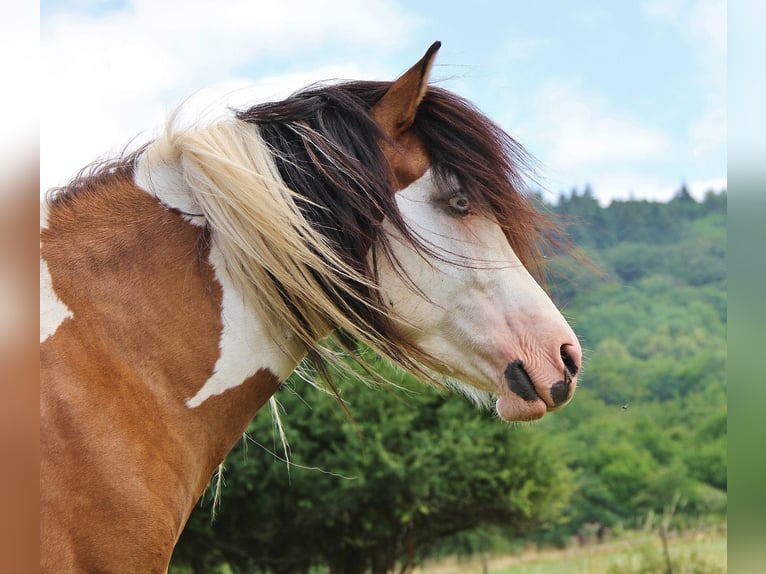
(414, 473)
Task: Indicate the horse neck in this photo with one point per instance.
(156, 359)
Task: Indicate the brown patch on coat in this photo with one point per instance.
(123, 459)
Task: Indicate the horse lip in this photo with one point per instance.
(519, 383)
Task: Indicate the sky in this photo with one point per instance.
(627, 97)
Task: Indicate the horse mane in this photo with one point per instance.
(463, 145)
(95, 176)
(294, 194)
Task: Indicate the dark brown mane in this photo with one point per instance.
(462, 142)
(491, 167)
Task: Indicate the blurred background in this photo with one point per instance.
(625, 106)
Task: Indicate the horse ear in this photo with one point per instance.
(395, 112)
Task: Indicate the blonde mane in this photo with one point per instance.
(281, 265)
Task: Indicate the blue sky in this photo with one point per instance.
(626, 96)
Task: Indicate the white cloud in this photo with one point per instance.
(519, 49)
(582, 129)
(107, 76)
(668, 11)
(698, 188)
(629, 185)
(709, 133)
(609, 186)
(587, 140)
(702, 23)
(589, 17)
(708, 25)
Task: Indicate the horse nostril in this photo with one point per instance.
(561, 391)
(518, 381)
(569, 362)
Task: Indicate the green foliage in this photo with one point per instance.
(648, 422)
(650, 560)
(413, 468)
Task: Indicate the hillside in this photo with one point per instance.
(649, 420)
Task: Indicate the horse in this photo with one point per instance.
(182, 283)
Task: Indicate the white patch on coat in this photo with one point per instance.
(159, 173)
(245, 345)
(53, 311)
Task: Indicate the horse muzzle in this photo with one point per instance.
(542, 388)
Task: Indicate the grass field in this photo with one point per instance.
(690, 553)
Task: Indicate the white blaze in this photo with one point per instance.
(478, 305)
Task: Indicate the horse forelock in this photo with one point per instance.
(463, 145)
(492, 168)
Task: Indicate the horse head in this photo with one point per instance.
(460, 291)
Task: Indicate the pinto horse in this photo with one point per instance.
(182, 284)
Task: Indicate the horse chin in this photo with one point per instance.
(513, 408)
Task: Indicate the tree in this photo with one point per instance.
(413, 467)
